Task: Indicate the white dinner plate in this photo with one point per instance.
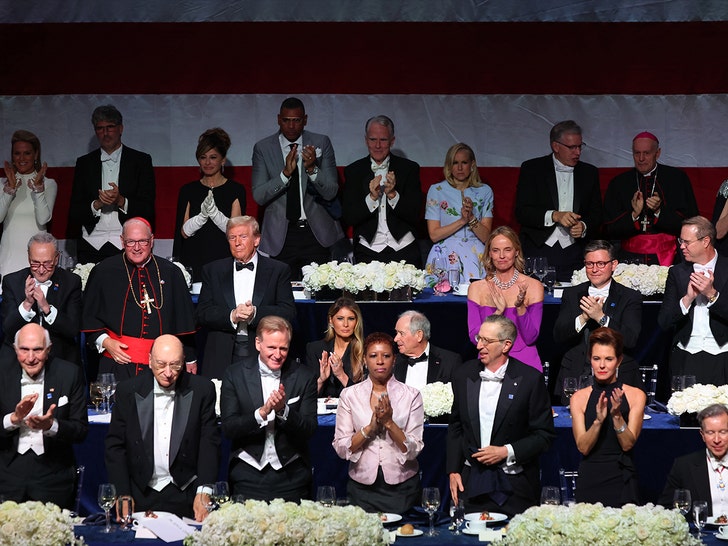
(721, 536)
(646, 417)
(327, 406)
(711, 521)
(495, 515)
(391, 518)
(467, 531)
(416, 533)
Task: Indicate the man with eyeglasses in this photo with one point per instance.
(163, 442)
(645, 206)
(558, 201)
(601, 301)
(294, 176)
(45, 294)
(704, 472)
(110, 185)
(693, 307)
(133, 298)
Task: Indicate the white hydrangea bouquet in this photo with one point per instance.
(695, 398)
(648, 280)
(437, 398)
(257, 523)
(355, 278)
(595, 525)
(35, 523)
(83, 271)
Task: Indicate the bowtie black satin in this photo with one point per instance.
(239, 266)
(411, 361)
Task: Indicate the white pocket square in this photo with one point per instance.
(294, 400)
(62, 401)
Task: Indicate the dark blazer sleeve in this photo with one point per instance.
(460, 428)
(626, 315)
(137, 184)
(272, 294)
(72, 417)
(688, 472)
(564, 331)
(670, 314)
(586, 182)
(408, 185)
(237, 409)
(85, 189)
(533, 192)
(356, 187)
(115, 454)
(208, 443)
(445, 363)
(212, 311)
(13, 295)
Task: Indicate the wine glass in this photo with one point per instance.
(326, 495)
(700, 511)
(540, 265)
(678, 381)
(688, 381)
(431, 502)
(550, 279)
(681, 501)
(107, 498)
(457, 515)
(528, 266)
(96, 394)
(440, 271)
(108, 383)
(585, 380)
(550, 495)
(569, 387)
(221, 493)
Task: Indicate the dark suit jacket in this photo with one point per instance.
(405, 217)
(64, 294)
(242, 395)
(272, 295)
(194, 453)
(522, 418)
(136, 183)
(441, 364)
(689, 472)
(671, 315)
(63, 385)
(536, 193)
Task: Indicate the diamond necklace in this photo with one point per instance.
(505, 285)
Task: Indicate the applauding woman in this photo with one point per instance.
(607, 420)
(379, 431)
(338, 359)
(509, 292)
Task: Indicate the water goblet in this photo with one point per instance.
(106, 499)
(457, 515)
(431, 502)
(326, 495)
(96, 394)
(550, 495)
(221, 493)
(700, 511)
(681, 501)
(540, 267)
(210, 503)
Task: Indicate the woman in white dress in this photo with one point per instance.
(26, 201)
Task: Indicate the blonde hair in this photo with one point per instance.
(512, 236)
(474, 178)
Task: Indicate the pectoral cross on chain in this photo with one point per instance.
(146, 300)
(645, 223)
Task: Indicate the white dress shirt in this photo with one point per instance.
(163, 414)
(108, 228)
(701, 336)
(487, 405)
(717, 474)
(417, 373)
(565, 191)
(243, 285)
(31, 439)
(28, 316)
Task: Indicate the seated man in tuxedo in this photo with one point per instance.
(163, 442)
(236, 293)
(43, 404)
(268, 407)
(419, 362)
(601, 301)
(110, 185)
(45, 294)
(703, 472)
(501, 423)
(382, 199)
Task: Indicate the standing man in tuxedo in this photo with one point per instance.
(43, 404)
(295, 178)
(45, 294)
(558, 201)
(163, 442)
(704, 472)
(268, 407)
(110, 185)
(500, 424)
(419, 362)
(237, 293)
(382, 199)
(694, 308)
(601, 301)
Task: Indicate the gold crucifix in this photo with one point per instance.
(146, 300)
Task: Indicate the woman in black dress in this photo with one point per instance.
(607, 420)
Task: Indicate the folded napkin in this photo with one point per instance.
(656, 407)
(95, 519)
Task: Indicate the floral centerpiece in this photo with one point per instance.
(35, 523)
(257, 523)
(83, 271)
(437, 398)
(648, 280)
(695, 398)
(595, 525)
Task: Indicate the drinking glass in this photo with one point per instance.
(431, 502)
(211, 503)
(550, 279)
(528, 267)
(540, 265)
(221, 493)
(688, 381)
(106, 499)
(125, 508)
(108, 387)
(439, 265)
(681, 501)
(677, 383)
(550, 495)
(457, 515)
(96, 394)
(326, 495)
(700, 511)
(569, 387)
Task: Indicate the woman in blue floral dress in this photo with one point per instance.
(459, 214)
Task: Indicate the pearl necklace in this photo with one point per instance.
(505, 285)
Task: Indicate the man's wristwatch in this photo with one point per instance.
(603, 320)
(314, 171)
(714, 297)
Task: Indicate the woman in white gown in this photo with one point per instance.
(26, 201)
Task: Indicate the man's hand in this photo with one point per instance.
(390, 182)
(29, 293)
(491, 454)
(243, 312)
(22, 408)
(577, 230)
(702, 283)
(116, 349)
(565, 218)
(276, 402)
(375, 187)
(199, 504)
(42, 422)
(592, 308)
(456, 485)
(638, 203)
(291, 161)
(191, 367)
(309, 157)
(653, 203)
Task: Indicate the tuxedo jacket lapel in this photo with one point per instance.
(577, 188)
(226, 284)
(182, 406)
(433, 366)
(261, 281)
(145, 414)
(509, 388)
(473, 397)
(251, 376)
(551, 183)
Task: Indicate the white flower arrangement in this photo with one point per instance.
(355, 278)
(185, 273)
(646, 279)
(437, 398)
(695, 398)
(595, 525)
(83, 271)
(34, 523)
(257, 523)
(218, 387)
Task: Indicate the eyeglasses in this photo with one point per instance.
(711, 433)
(487, 341)
(130, 243)
(598, 265)
(106, 128)
(45, 265)
(572, 147)
(681, 242)
(174, 366)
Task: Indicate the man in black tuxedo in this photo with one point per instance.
(704, 472)
(45, 294)
(110, 185)
(43, 404)
(558, 201)
(500, 424)
(382, 199)
(236, 293)
(268, 407)
(601, 301)
(163, 442)
(419, 362)
(694, 308)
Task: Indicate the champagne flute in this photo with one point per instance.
(326, 495)
(569, 387)
(106, 499)
(681, 501)
(700, 511)
(431, 502)
(457, 515)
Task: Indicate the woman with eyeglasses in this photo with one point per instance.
(26, 200)
(606, 421)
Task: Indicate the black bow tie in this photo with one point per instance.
(239, 266)
(411, 361)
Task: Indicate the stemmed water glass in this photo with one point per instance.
(221, 493)
(700, 511)
(569, 387)
(108, 388)
(540, 267)
(457, 515)
(106, 499)
(431, 502)
(681, 501)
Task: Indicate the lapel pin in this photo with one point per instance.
(49, 395)
(510, 397)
